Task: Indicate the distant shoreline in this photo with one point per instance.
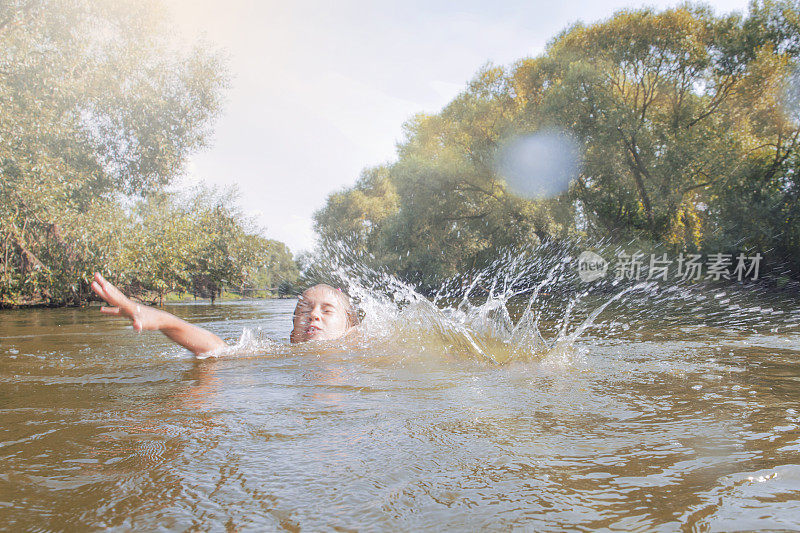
(93, 303)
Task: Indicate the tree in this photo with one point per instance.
(672, 108)
(158, 248)
(94, 101)
(199, 242)
(278, 272)
(688, 126)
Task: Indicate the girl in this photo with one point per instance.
(322, 313)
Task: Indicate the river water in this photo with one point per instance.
(661, 427)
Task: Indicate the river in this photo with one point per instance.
(689, 428)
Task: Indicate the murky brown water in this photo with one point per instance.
(105, 428)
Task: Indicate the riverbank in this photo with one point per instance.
(172, 298)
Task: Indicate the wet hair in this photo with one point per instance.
(353, 318)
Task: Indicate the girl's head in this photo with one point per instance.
(323, 313)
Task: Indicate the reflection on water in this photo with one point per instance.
(671, 423)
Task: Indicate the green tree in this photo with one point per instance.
(158, 249)
(359, 214)
(672, 108)
(279, 272)
(200, 243)
(229, 250)
(94, 100)
(688, 126)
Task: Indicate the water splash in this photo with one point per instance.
(475, 315)
(531, 304)
(252, 341)
(527, 305)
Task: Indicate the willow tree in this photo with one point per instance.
(441, 207)
(688, 130)
(676, 110)
(200, 243)
(358, 215)
(157, 249)
(96, 101)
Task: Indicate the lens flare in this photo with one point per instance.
(791, 95)
(539, 165)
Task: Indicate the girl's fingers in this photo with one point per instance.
(101, 287)
(99, 290)
(119, 303)
(112, 294)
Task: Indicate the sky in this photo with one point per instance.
(320, 90)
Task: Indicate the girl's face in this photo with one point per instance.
(320, 315)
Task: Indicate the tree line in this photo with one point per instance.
(99, 109)
(688, 127)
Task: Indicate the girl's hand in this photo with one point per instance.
(193, 338)
(142, 316)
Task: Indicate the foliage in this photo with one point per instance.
(99, 109)
(201, 245)
(688, 125)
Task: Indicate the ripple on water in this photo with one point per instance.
(636, 423)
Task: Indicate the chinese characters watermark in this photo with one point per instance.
(637, 266)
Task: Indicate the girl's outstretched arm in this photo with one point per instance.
(193, 338)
